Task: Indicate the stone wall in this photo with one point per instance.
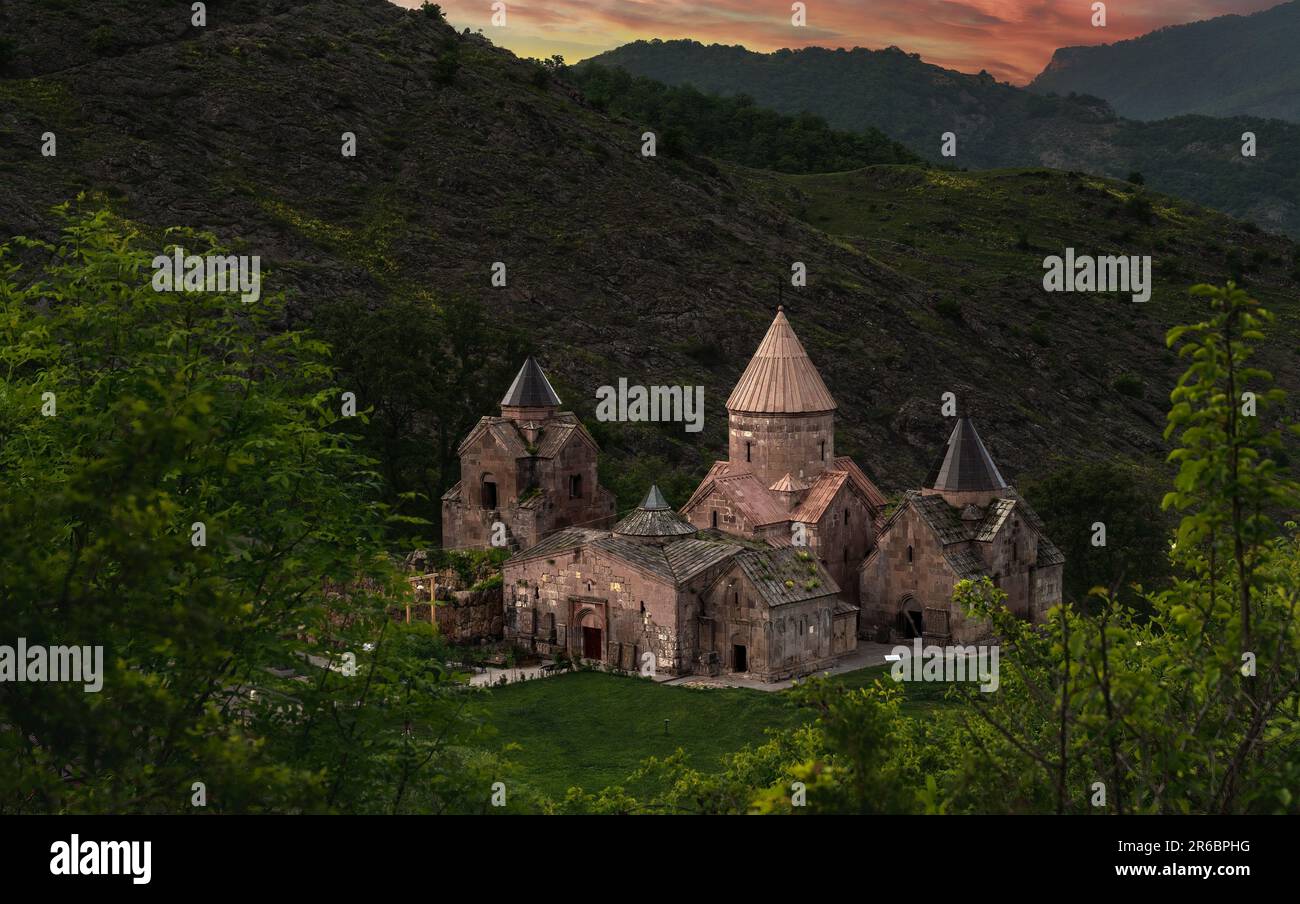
(466, 523)
(549, 601)
(841, 546)
(891, 577)
(470, 616)
(780, 641)
(802, 445)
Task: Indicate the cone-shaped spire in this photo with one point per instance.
(654, 500)
(780, 378)
(965, 464)
(530, 389)
(655, 519)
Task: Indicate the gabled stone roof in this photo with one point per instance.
(769, 569)
(780, 378)
(689, 557)
(530, 388)
(965, 464)
(966, 565)
(860, 480)
(556, 431)
(820, 495)
(1048, 553)
(940, 516)
(753, 499)
(994, 517)
(562, 541)
(648, 557)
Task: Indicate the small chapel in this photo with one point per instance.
(531, 470)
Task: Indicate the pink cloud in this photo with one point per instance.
(1013, 39)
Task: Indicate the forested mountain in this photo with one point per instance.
(659, 269)
(1227, 66)
(996, 124)
(736, 128)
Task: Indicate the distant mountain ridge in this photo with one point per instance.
(1226, 66)
(997, 124)
(661, 270)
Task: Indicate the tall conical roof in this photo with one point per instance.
(655, 518)
(531, 389)
(654, 500)
(780, 378)
(965, 464)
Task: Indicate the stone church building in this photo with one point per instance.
(780, 560)
(782, 482)
(695, 601)
(966, 522)
(532, 469)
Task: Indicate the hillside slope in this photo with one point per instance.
(996, 124)
(1227, 66)
(619, 265)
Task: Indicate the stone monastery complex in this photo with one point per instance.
(782, 558)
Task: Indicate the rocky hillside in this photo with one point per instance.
(1227, 66)
(660, 270)
(996, 124)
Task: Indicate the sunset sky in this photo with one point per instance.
(1013, 39)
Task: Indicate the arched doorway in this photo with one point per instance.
(739, 653)
(911, 619)
(488, 491)
(593, 634)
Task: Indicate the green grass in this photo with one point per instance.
(592, 730)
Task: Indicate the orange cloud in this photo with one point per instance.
(1012, 39)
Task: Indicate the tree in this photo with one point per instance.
(180, 492)
(1074, 496)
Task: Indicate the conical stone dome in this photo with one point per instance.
(654, 519)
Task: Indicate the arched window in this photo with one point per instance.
(575, 486)
(823, 447)
(909, 554)
(748, 447)
(715, 518)
(846, 516)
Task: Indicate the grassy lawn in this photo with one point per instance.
(593, 730)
